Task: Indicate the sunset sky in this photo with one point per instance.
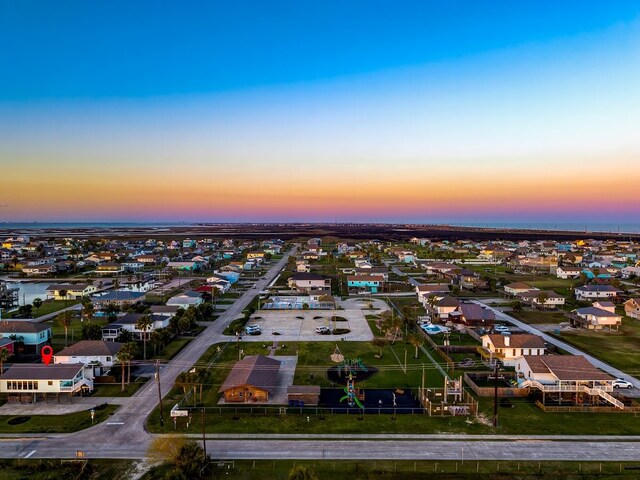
(319, 111)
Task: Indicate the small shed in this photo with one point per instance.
(303, 395)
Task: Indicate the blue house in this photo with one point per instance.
(33, 335)
(370, 283)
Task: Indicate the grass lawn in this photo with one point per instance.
(469, 469)
(115, 390)
(171, 350)
(53, 469)
(51, 306)
(74, 332)
(71, 422)
(619, 349)
(536, 317)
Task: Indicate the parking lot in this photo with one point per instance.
(300, 325)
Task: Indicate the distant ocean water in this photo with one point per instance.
(553, 226)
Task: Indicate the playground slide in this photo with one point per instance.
(355, 399)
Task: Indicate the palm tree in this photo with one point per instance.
(87, 309)
(123, 357)
(64, 320)
(132, 350)
(415, 340)
(4, 356)
(37, 303)
(144, 324)
(156, 339)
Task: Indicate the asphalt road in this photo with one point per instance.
(124, 434)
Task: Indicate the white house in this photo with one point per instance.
(97, 356)
(628, 272)
(593, 292)
(541, 298)
(517, 287)
(437, 290)
(186, 300)
(306, 282)
(70, 291)
(129, 321)
(508, 348)
(565, 272)
(29, 382)
(632, 308)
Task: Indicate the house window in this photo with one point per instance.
(50, 383)
(240, 394)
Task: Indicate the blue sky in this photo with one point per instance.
(426, 111)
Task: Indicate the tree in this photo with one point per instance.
(132, 350)
(37, 303)
(25, 311)
(91, 332)
(416, 340)
(300, 472)
(123, 357)
(516, 306)
(156, 339)
(185, 456)
(542, 299)
(63, 294)
(87, 309)
(64, 320)
(144, 324)
(4, 356)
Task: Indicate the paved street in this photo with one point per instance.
(124, 434)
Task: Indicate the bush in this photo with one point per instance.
(341, 331)
(18, 420)
(236, 326)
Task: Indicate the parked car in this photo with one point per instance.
(500, 328)
(621, 383)
(253, 329)
(322, 329)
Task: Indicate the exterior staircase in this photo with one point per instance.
(574, 388)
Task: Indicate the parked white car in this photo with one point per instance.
(621, 383)
(322, 329)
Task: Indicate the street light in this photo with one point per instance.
(93, 415)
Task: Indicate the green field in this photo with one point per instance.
(74, 332)
(619, 349)
(537, 317)
(410, 470)
(58, 469)
(71, 422)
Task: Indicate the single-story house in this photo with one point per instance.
(370, 283)
(70, 291)
(251, 380)
(97, 356)
(565, 378)
(109, 268)
(596, 317)
(593, 292)
(36, 270)
(117, 297)
(517, 287)
(186, 300)
(536, 297)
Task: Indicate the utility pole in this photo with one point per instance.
(204, 438)
(495, 393)
(159, 391)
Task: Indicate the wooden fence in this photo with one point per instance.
(584, 409)
(503, 392)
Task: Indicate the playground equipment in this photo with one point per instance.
(352, 394)
(351, 366)
(337, 355)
